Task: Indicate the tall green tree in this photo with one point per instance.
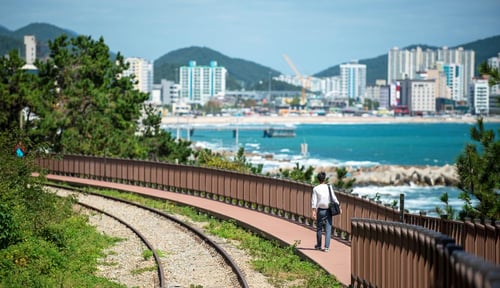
(158, 144)
(85, 106)
(16, 91)
(479, 174)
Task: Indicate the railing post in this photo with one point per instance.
(402, 207)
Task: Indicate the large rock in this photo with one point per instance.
(400, 175)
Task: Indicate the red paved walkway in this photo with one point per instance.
(337, 261)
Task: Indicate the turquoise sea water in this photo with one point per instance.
(354, 145)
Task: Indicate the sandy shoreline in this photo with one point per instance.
(317, 120)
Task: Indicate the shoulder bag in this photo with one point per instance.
(333, 207)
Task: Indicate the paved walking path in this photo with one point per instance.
(337, 261)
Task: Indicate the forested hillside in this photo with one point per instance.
(242, 73)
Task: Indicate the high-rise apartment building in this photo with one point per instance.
(198, 84)
(454, 74)
(406, 63)
(142, 70)
(479, 96)
(352, 80)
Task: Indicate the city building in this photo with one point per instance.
(406, 64)
(455, 78)
(353, 80)
(142, 70)
(166, 93)
(439, 77)
(418, 96)
(479, 97)
(198, 84)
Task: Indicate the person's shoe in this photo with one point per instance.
(326, 249)
(317, 247)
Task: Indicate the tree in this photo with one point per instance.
(85, 106)
(341, 175)
(448, 209)
(158, 144)
(479, 174)
(492, 73)
(16, 91)
(299, 173)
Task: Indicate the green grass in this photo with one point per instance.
(68, 256)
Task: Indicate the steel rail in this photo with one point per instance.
(204, 238)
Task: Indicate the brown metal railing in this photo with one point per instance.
(281, 197)
(384, 239)
(393, 255)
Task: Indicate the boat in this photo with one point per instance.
(279, 132)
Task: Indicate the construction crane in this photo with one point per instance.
(306, 81)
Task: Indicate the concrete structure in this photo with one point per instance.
(418, 96)
(479, 97)
(142, 70)
(352, 80)
(166, 93)
(439, 77)
(30, 53)
(200, 83)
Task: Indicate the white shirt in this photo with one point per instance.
(321, 196)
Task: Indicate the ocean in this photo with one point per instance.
(352, 145)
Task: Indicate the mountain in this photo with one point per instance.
(43, 32)
(242, 73)
(376, 68)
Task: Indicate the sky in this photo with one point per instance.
(314, 34)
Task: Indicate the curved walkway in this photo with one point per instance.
(337, 261)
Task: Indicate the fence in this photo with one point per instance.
(393, 254)
(291, 200)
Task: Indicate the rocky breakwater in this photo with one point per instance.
(403, 175)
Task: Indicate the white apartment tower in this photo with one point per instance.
(479, 96)
(30, 47)
(454, 74)
(142, 70)
(352, 80)
(200, 83)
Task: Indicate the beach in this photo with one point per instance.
(309, 119)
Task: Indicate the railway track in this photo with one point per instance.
(183, 255)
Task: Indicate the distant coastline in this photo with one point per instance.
(169, 120)
(379, 175)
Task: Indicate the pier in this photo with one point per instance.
(268, 130)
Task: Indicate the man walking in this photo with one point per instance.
(319, 203)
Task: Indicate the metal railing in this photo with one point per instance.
(393, 255)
